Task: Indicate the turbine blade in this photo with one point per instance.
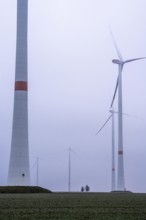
(129, 115)
(115, 92)
(116, 87)
(116, 47)
(74, 153)
(133, 116)
(34, 164)
(104, 124)
(131, 60)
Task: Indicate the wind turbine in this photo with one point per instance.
(36, 165)
(37, 171)
(113, 179)
(69, 167)
(113, 169)
(120, 62)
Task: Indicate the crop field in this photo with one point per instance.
(72, 206)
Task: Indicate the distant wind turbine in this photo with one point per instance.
(120, 62)
(113, 179)
(36, 164)
(113, 169)
(37, 171)
(69, 167)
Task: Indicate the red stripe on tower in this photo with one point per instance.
(20, 86)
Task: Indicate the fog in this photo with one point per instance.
(71, 84)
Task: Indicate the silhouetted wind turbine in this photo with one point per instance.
(120, 62)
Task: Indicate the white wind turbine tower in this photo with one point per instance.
(113, 178)
(120, 62)
(70, 151)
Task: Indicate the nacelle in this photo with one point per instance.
(117, 61)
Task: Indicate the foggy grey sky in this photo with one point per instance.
(71, 84)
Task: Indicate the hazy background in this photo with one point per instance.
(71, 84)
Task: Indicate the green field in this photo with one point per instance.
(72, 206)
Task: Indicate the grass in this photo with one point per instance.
(73, 206)
(23, 189)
